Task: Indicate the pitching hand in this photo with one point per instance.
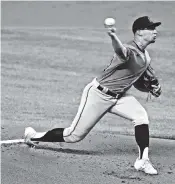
(111, 31)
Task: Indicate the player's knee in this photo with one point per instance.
(76, 138)
(141, 117)
(141, 120)
(73, 138)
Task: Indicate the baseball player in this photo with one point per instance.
(107, 92)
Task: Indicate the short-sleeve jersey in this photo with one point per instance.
(121, 73)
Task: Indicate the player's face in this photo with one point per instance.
(150, 34)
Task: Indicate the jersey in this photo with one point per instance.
(122, 72)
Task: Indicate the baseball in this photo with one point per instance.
(109, 22)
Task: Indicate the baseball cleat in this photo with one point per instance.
(145, 166)
(28, 134)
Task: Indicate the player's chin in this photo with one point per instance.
(153, 41)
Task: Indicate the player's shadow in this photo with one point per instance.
(101, 151)
(68, 150)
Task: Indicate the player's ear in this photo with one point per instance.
(139, 32)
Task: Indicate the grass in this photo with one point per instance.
(50, 53)
(45, 70)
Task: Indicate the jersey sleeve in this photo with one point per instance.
(122, 57)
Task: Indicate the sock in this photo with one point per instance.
(142, 139)
(55, 135)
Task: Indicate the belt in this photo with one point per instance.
(108, 92)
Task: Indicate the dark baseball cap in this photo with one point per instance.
(143, 23)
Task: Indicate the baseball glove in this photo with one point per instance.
(149, 83)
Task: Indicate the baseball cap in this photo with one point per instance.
(143, 23)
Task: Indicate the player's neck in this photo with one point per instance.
(141, 44)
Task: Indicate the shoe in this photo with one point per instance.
(28, 134)
(145, 166)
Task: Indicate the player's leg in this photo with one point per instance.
(93, 107)
(128, 107)
(56, 134)
(94, 104)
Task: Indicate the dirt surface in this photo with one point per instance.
(100, 158)
(50, 50)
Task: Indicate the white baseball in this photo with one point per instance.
(109, 22)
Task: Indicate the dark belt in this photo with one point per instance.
(110, 93)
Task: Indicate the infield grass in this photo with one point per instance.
(44, 70)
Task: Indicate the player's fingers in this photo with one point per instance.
(112, 29)
(156, 86)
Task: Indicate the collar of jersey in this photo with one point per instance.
(143, 51)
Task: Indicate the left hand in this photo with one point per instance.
(156, 90)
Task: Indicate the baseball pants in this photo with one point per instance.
(95, 104)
